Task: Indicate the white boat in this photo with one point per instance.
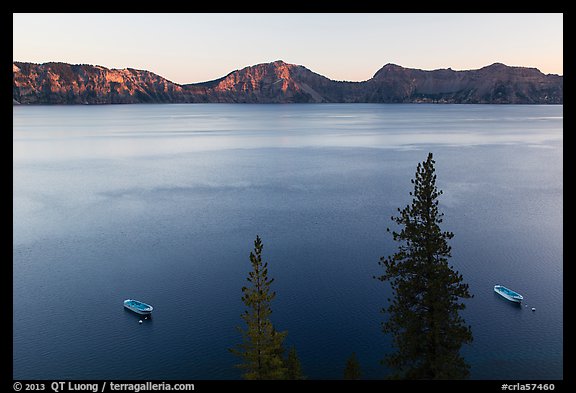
(138, 306)
(509, 294)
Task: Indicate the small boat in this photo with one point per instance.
(509, 294)
(138, 307)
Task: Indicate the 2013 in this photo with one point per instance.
(34, 386)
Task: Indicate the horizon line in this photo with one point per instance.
(282, 61)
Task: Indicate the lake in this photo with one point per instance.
(162, 203)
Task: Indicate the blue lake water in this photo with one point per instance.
(162, 203)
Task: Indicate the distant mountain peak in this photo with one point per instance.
(392, 66)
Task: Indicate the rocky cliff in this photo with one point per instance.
(61, 83)
(280, 82)
(494, 84)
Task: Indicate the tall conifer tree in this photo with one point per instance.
(423, 317)
(262, 347)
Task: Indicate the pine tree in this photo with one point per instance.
(262, 347)
(352, 369)
(293, 366)
(424, 319)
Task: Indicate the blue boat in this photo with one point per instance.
(509, 294)
(138, 306)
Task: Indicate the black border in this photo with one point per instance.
(6, 375)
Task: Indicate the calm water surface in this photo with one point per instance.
(162, 203)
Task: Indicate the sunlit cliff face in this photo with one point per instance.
(275, 76)
(87, 84)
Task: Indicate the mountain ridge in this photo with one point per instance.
(281, 82)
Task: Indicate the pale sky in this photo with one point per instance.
(189, 48)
